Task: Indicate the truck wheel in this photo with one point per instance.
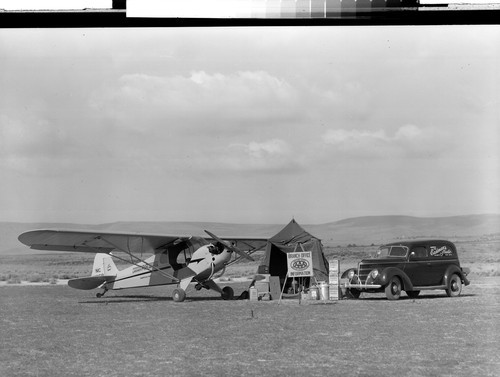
(393, 289)
(454, 286)
(179, 295)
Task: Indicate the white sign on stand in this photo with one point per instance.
(300, 264)
(334, 268)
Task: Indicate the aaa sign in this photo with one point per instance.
(300, 264)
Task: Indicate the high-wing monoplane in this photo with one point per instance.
(171, 259)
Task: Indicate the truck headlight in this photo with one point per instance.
(374, 274)
(350, 274)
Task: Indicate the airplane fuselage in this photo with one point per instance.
(205, 262)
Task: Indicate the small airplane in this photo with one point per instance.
(175, 259)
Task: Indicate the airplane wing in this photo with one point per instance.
(106, 242)
(96, 242)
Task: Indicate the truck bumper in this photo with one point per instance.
(348, 285)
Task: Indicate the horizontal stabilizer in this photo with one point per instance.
(91, 282)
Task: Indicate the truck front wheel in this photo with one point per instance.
(393, 289)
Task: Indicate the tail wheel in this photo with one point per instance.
(454, 286)
(227, 293)
(393, 289)
(179, 295)
(100, 294)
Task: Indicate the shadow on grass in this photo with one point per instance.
(145, 298)
(122, 299)
(420, 297)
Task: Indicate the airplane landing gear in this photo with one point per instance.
(227, 293)
(100, 294)
(179, 295)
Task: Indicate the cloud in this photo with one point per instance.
(198, 99)
(267, 156)
(360, 137)
(408, 140)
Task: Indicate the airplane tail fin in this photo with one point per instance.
(104, 265)
(103, 271)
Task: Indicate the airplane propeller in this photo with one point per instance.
(228, 245)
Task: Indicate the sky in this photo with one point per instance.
(248, 125)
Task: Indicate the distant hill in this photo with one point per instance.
(383, 229)
(359, 230)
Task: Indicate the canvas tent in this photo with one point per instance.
(293, 238)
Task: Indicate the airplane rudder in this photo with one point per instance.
(109, 266)
(103, 265)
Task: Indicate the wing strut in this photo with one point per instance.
(144, 263)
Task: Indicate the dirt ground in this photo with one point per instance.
(53, 330)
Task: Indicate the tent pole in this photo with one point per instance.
(282, 289)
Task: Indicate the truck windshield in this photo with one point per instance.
(391, 251)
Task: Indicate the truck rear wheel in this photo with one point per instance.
(454, 286)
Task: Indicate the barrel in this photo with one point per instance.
(324, 290)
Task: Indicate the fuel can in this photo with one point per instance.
(324, 290)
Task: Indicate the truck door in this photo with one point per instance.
(418, 265)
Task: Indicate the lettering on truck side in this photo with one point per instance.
(438, 252)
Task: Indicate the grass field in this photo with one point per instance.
(54, 331)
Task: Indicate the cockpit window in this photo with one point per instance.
(216, 248)
(179, 254)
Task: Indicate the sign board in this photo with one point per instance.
(333, 278)
(300, 264)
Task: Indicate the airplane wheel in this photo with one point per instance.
(179, 295)
(98, 295)
(227, 293)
